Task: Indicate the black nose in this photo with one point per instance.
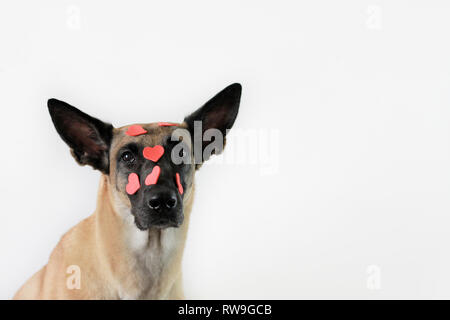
(162, 200)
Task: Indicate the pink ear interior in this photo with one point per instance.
(133, 184)
(180, 187)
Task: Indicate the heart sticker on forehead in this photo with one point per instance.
(133, 184)
(135, 130)
(153, 154)
(167, 124)
(152, 178)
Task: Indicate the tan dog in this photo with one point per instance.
(132, 245)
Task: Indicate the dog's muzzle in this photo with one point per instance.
(162, 208)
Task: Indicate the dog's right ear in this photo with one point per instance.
(88, 138)
(218, 113)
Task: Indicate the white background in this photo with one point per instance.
(358, 92)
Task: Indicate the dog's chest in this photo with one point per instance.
(150, 260)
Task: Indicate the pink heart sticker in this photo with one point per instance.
(153, 154)
(180, 187)
(152, 178)
(167, 124)
(135, 130)
(133, 184)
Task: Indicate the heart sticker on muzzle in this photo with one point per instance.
(135, 130)
(133, 184)
(153, 154)
(178, 179)
(152, 178)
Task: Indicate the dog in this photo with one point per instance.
(131, 247)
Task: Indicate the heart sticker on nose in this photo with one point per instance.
(152, 178)
(180, 187)
(153, 154)
(133, 184)
(135, 130)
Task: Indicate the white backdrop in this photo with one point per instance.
(354, 95)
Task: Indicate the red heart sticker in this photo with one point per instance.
(152, 178)
(135, 130)
(167, 124)
(153, 154)
(180, 187)
(133, 184)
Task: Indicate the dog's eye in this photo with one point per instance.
(127, 156)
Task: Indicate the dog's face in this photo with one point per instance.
(150, 167)
(156, 194)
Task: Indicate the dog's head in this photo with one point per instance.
(150, 167)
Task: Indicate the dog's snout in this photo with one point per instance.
(160, 206)
(162, 200)
(165, 208)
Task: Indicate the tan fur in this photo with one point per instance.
(117, 260)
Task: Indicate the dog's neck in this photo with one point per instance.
(145, 264)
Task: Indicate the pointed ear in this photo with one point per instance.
(218, 113)
(88, 138)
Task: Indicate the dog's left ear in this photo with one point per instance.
(88, 137)
(219, 113)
